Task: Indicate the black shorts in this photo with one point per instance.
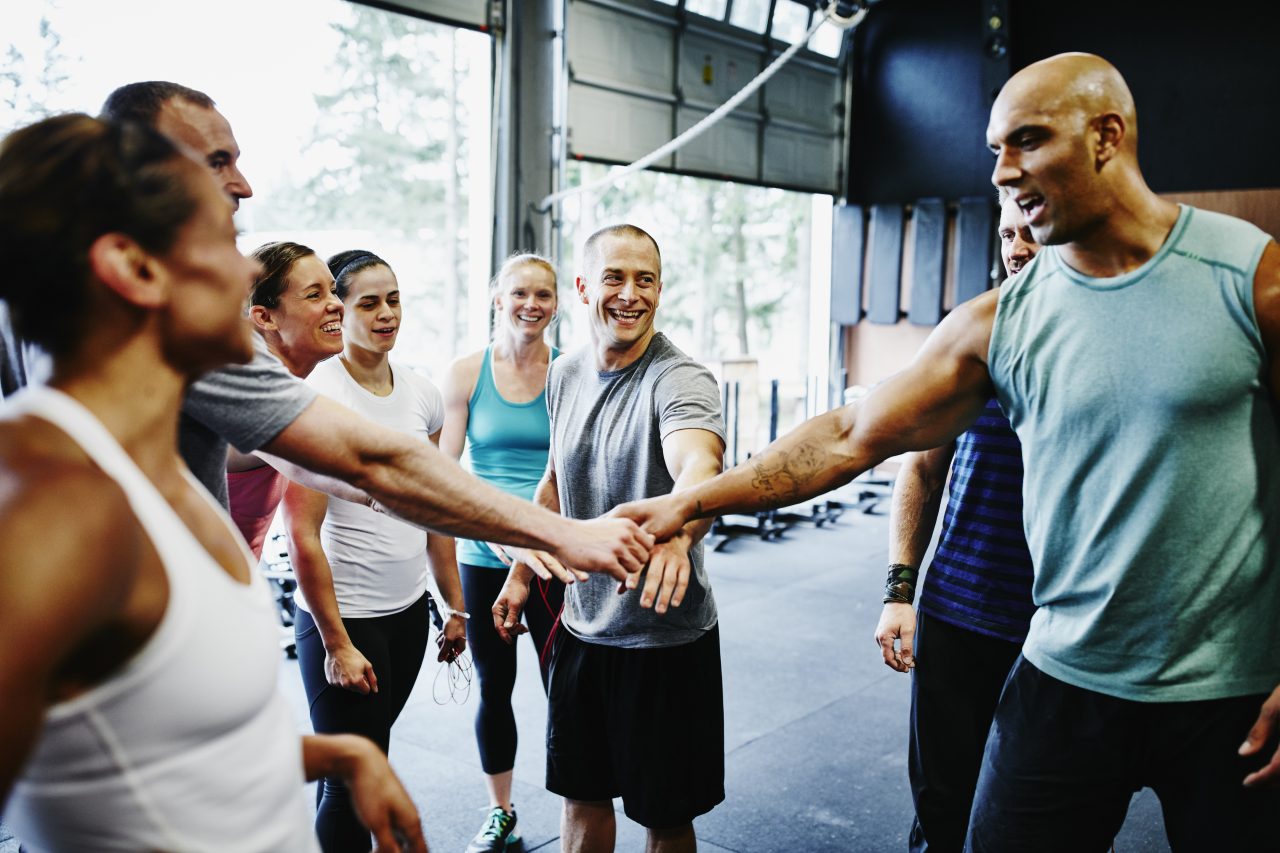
(643, 724)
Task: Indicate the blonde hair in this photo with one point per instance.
(510, 265)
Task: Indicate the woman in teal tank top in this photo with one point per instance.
(495, 405)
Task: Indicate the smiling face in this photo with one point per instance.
(621, 288)
(205, 317)
(308, 318)
(1017, 247)
(525, 302)
(371, 311)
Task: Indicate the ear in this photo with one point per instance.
(1109, 130)
(581, 287)
(129, 271)
(262, 318)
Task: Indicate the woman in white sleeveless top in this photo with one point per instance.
(139, 666)
(362, 620)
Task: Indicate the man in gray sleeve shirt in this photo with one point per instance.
(636, 707)
(260, 407)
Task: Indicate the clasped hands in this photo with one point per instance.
(662, 580)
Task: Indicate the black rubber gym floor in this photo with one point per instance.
(815, 724)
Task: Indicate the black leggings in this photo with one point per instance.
(395, 645)
(495, 661)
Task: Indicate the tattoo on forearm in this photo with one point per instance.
(784, 475)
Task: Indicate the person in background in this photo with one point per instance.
(298, 317)
(496, 406)
(362, 620)
(141, 705)
(260, 408)
(975, 603)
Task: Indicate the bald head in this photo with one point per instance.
(1072, 83)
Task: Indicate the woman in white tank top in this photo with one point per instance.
(362, 621)
(138, 670)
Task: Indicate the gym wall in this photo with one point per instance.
(1205, 80)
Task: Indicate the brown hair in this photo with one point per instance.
(141, 102)
(64, 182)
(277, 259)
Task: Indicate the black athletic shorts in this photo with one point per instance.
(643, 724)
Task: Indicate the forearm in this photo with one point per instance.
(917, 497)
(802, 464)
(410, 479)
(332, 755)
(315, 580)
(442, 560)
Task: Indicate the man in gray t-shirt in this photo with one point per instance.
(636, 707)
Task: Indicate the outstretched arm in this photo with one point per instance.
(929, 403)
(416, 482)
(917, 495)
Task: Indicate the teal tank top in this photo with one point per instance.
(1149, 435)
(506, 446)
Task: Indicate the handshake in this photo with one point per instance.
(646, 538)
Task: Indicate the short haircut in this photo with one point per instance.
(277, 259)
(622, 230)
(64, 182)
(141, 102)
(345, 265)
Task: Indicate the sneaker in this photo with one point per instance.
(498, 835)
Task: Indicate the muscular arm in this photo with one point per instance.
(1266, 306)
(442, 560)
(418, 483)
(929, 403)
(64, 578)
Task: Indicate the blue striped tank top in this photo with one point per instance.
(980, 577)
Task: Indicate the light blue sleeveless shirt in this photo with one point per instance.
(1152, 490)
(507, 447)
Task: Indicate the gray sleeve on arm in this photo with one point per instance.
(688, 398)
(248, 404)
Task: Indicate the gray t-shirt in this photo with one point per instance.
(606, 436)
(242, 404)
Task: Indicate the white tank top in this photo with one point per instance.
(190, 746)
(379, 562)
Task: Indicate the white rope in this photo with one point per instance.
(720, 112)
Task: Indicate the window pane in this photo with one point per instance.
(735, 269)
(790, 20)
(750, 14)
(359, 128)
(826, 40)
(710, 8)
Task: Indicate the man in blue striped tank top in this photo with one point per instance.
(975, 599)
(1137, 358)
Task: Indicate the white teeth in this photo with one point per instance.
(331, 327)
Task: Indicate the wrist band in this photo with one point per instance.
(448, 613)
(900, 585)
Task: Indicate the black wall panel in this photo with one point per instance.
(846, 264)
(1206, 79)
(930, 218)
(975, 235)
(885, 264)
